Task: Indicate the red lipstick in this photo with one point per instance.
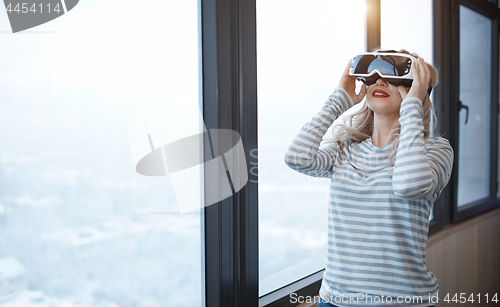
(379, 94)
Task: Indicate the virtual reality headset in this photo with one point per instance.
(390, 65)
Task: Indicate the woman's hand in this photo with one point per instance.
(348, 83)
(421, 77)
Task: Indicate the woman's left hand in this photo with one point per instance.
(348, 83)
(421, 78)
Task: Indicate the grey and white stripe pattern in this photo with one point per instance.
(378, 214)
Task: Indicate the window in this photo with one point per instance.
(398, 27)
(74, 213)
(301, 54)
(475, 88)
(475, 101)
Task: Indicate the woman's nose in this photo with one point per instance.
(381, 81)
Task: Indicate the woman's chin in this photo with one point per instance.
(383, 105)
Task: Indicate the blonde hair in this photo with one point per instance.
(359, 126)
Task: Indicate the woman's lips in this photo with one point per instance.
(379, 94)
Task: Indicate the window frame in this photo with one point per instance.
(444, 59)
(489, 10)
(229, 101)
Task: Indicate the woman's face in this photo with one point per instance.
(383, 97)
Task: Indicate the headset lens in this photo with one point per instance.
(396, 82)
(387, 65)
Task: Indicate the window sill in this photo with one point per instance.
(453, 228)
(316, 298)
(308, 286)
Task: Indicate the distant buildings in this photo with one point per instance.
(14, 289)
(86, 241)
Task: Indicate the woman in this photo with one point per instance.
(386, 172)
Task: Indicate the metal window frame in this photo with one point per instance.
(229, 90)
(490, 10)
(444, 58)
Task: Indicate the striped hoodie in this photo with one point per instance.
(378, 213)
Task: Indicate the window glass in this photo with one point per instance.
(395, 28)
(396, 24)
(475, 87)
(78, 225)
(302, 50)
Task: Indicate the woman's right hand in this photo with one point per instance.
(348, 83)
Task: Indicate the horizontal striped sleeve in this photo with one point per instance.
(419, 172)
(304, 154)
